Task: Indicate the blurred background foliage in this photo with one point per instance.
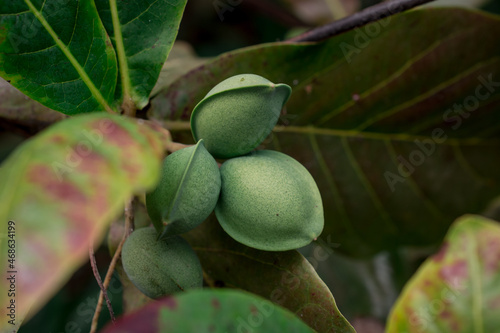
(364, 289)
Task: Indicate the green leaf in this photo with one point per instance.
(143, 33)
(371, 102)
(57, 52)
(457, 289)
(61, 189)
(285, 278)
(214, 311)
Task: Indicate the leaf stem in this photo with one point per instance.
(85, 78)
(129, 226)
(370, 14)
(128, 105)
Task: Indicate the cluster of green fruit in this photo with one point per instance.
(263, 199)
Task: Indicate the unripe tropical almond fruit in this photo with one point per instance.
(187, 191)
(238, 114)
(269, 201)
(160, 267)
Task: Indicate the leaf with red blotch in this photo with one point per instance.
(60, 190)
(458, 289)
(214, 311)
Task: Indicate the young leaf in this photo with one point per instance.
(457, 289)
(143, 33)
(60, 190)
(215, 311)
(396, 121)
(58, 53)
(285, 278)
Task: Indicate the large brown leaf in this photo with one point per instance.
(397, 121)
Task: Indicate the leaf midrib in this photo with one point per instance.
(177, 126)
(120, 51)
(80, 70)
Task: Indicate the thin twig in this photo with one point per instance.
(129, 227)
(129, 221)
(370, 14)
(99, 282)
(171, 145)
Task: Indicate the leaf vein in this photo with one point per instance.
(419, 98)
(465, 165)
(142, 13)
(414, 186)
(339, 202)
(397, 73)
(64, 48)
(367, 186)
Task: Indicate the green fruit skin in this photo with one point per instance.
(238, 114)
(187, 191)
(269, 201)
(160, 268)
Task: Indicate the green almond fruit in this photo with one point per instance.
(238, 114)
(269, 201)
(187, 191)
(160, 267)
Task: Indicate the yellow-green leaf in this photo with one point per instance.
(61, 189)
(457, 289)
